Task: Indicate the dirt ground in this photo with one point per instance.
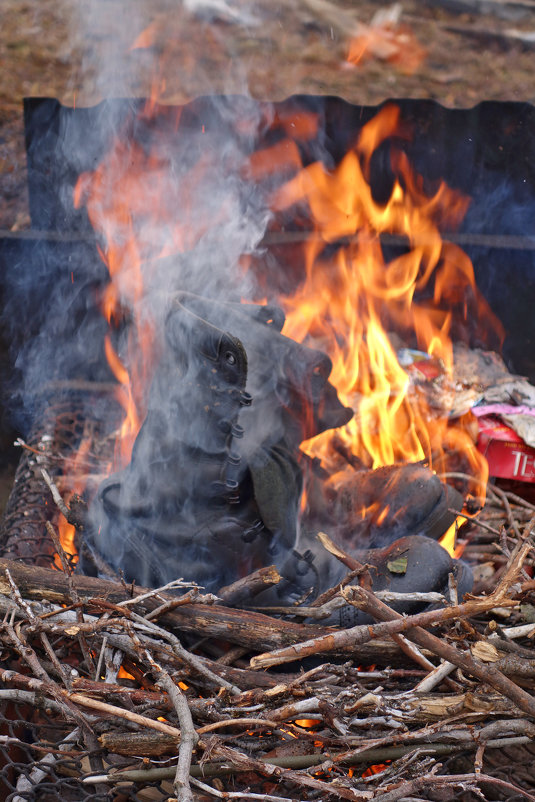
(80, 52)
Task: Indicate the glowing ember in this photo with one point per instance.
(308, 723)
(124, 674)
(371, 771)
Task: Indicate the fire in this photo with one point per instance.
(353, 298)
(371, 771)
(73, 483)
(131, 423)
(147, 37)
(356, 303)
(448, 540)
(66, 532)
(124, 674)
(128, 200)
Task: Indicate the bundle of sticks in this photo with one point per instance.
(171, 693)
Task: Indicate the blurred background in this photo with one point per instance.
(458, 52)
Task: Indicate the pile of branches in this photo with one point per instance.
(131, 693)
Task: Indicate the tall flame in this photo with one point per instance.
(352, 298)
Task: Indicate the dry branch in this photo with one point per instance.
(362, 716)
(394, 623)
(245, 628)
(188, 736)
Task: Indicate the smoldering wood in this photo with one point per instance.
(157, 744)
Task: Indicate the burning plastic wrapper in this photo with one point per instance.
(213, 487)
(503, 404)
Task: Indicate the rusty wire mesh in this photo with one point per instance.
(61, 425)
(34, 764)
(39, 763)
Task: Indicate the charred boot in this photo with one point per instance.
(374, 508)
(183, 507)
(293, 401)
(390, 519)
(410, 565)
(192, 503)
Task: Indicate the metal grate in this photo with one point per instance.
(40, 760)
(63, 422)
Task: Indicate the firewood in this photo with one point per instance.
(250, 586)
(146, 743)
(252, 630)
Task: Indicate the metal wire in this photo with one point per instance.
(35, 763)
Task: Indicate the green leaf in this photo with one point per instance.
(397, 566)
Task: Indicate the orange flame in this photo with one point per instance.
(130, 199)
(73, 482)
(351, 301)
(307, 723)
(448, 540)
(377, 769)
(131, 422)
(351, 298)
(147, 37)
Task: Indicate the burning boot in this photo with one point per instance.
(207, 497)
(388, 518)
(374, 508)
(175, 510)
(213, 487)
(409, 565)
(293, 401)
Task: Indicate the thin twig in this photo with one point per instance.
(239, 794)
(56, 495)
(396, 624)
(239, 722)
(27, 653)
(119, 712)
(68, 571)
(477, 522)
(462, 781)
(435, 677)
(507, 507)
(223, 768)
(175, 584)
(66, 566)
(190, 659)
(188, 736)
